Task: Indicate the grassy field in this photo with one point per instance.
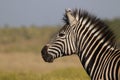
(61, 74)
(20, 57)
(24, 39)
(30, 66)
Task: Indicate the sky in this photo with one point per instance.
(50, 12)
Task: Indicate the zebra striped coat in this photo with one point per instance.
(91, 39)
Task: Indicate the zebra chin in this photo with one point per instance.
(46, 57)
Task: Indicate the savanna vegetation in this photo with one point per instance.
(24, 39)
(20, 57)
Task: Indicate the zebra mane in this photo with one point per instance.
(107, 32)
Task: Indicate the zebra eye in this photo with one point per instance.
(61, 34)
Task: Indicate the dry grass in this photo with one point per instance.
(30, 66)
(34, 62)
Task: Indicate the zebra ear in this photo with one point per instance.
(71, 19)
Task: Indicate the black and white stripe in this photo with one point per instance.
(89, 38)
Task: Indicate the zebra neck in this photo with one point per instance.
(92, 54)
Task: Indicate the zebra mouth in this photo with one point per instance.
(46, 57)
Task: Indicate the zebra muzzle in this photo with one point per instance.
(46, 57)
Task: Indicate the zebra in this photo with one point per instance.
(87, 36)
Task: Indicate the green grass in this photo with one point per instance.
(62, 74)
(66, 74)
(19, 76)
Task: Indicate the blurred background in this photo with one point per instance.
(26, 25)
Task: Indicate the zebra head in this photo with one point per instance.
(64, 42)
